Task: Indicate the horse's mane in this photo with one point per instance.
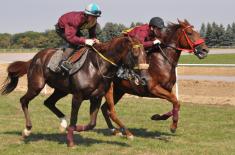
(102, 47)
(170, 32)
(172, 28)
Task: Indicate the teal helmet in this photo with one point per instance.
(93, 10)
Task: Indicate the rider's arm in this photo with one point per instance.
(70, 35)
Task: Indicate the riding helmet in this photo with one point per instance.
(157, 22)
(93, 9)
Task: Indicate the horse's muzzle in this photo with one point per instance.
(200, 53)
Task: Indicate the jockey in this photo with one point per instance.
(148, 34)
(69, 26)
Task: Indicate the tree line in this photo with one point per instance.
(215, 35)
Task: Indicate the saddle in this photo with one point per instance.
(77, 59)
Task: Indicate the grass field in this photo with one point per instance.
(203, 129)
(210, 59)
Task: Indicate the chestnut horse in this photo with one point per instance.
(162, 77)
(91, 82)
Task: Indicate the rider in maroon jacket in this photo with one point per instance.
(69, 26)
(149, 34)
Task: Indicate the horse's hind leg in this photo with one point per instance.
(94, 109)
(36, 83)
(112, 113)
(163, 93)
(31, 93)
(50, 103)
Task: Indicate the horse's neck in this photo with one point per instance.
(110, 51)
(170, 40)
(107, 51)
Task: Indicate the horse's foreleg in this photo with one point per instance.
(163, 93)
(117, 95)
(76, 103)
(94, 109)
(50, 103)
(112, 113)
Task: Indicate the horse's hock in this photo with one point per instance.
(195, 91)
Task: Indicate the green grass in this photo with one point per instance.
(203, 129)
(210, 59)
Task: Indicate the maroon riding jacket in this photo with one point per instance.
(71, 23)
(143, 34)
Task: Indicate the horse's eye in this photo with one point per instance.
(189, 33)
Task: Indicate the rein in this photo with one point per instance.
(165, 56)
(103, 57)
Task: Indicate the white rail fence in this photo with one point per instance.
(196, 65)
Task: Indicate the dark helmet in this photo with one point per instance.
(157, 22)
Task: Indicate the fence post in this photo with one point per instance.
(176, 84)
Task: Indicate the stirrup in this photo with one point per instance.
(66, 66)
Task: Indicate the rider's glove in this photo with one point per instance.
(89, 42)
(157, 42)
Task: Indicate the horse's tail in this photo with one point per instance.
(15, 70)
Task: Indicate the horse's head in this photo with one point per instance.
(128, 52)
(134, 56)
(188, 39)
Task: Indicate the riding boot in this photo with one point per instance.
(65, 64)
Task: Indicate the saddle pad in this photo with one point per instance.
(55, 60)
(57, 57)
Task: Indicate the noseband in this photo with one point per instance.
(192, 44)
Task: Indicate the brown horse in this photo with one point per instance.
(91, 82)
(162, 77)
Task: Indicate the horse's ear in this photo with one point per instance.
(182, 23)
(186, 21)
(179, 21)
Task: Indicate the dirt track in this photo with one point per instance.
(195, 91)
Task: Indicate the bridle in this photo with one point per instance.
(192, 44)
(139, 67)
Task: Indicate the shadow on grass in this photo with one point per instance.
(143, 133)
(61, 139)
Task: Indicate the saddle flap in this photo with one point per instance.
(78, 59)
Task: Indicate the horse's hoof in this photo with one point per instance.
(116, 132)
(63, 124)
(131, 137)
(156, 117)
(173, 130)
(70, 145)
(26, 133)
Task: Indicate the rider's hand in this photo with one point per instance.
(89, 42)
(156, 42)
(97, 41)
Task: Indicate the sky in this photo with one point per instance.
(18, 16)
